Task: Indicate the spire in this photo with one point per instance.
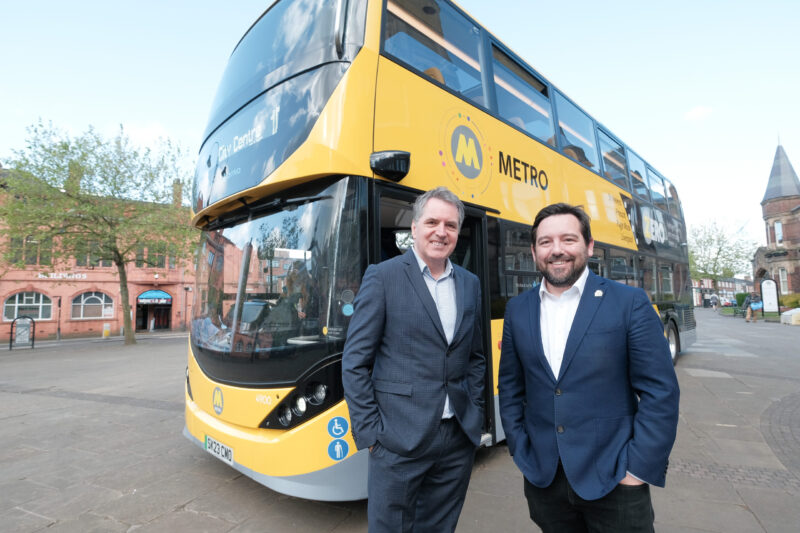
(783, 179)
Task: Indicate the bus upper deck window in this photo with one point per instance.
(435, 39)
(657, 192)
(576, 133)
(614, 167)
(521, 98)
(674, 203)
(638, 176)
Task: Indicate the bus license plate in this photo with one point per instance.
(219, 450)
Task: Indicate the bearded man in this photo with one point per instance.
(588, 393)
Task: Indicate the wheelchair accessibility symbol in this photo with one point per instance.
(337, 428)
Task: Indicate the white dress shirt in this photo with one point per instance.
(556, 314)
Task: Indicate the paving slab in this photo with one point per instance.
(88, 523)
(777, 510)
(90, 440)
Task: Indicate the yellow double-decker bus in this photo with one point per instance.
(332, 115)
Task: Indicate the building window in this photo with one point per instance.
(156, 255)
(33, 304)
(92, 305)
(173, 256)
(30, 251)
(784, 281)
(778, 233)
(140, 256)
(91, 257)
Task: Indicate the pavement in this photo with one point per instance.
(90, 440)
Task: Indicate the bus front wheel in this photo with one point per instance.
(674, 342)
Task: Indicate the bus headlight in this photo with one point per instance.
(299, 407)
(316, 393)
(285, 415)
(310, 398)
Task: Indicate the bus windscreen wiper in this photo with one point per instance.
(258, 209)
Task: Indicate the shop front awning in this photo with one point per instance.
(154, 296)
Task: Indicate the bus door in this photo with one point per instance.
(392, 218)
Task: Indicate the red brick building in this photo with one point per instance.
(82, 298)
(779, 260)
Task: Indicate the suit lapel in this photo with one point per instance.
(461, 291)
(591, 298)
(535, 340)
(415, 278)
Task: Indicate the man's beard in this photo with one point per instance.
(569, 277)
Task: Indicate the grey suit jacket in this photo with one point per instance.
(397, 366)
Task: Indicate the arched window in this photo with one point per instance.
(92, 305)
(33, 304)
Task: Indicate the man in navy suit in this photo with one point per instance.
(413, 373)
(588, 393)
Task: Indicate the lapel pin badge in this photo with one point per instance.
(598, 293)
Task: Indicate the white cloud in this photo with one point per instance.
(699, 112)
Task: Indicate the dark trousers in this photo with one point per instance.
(421, 494)
(557, 509)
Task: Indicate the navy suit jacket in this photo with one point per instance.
(614, 406)
(397, 363)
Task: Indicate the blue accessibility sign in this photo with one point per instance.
(337, 449)
(337, 427)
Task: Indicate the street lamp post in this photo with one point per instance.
(58, 326)
(186, 291)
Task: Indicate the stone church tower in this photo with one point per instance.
(780, 258)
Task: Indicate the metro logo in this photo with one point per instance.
(465, 155)
(217, 401)
(467, 152)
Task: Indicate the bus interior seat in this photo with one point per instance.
(517, 122)
(435, 74)
(577, 153)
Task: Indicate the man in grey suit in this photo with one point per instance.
(413, 373)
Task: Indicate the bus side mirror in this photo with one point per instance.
(391, 164)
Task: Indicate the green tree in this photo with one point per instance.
(715, 254)
(98, 199)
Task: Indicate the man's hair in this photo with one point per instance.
(563, 209)
(441, 193)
